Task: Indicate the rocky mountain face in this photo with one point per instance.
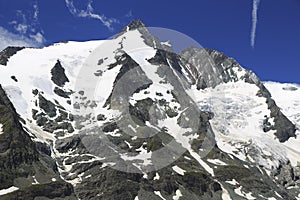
(223, 70)
(128, 118)
(7, 53)
(22, 161)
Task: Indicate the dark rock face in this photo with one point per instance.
(140, 111)
(16, 148)
(47, 106)
(43, 148)
(54, 190)
(216, 68)
(58, 74)
(136, 25)
(21, 159)
(7, 53)
(14, 78)
(213, 72)
(127, 64)
(283, 126)
(110, 184)
(101, 117)
(62, 93)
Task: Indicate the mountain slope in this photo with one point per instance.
(23, 162)
(128, 118)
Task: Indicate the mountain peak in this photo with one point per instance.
(134, 112)
(134, 24)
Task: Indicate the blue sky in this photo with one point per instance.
(224, 25)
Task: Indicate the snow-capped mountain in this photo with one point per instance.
(128, 118)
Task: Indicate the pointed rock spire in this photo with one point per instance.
(135, 24)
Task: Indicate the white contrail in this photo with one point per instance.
(254, 21)
(89, 12)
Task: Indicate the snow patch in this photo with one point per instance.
(239, 192)
(156, 177)
(159, 194)
(35, 181)
(8, 190)
(177, 195)
(232, 182)
(216, 162)
(167, 43)
(225, 194)
(187, 158)
(178, 170)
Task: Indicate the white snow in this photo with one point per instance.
(134, 45)
(167, 43)
(216, 162)
(287, 97)
(134, 138)
(143, 156)
(159, 194)
(145, 176)
(132, 128)
(151, 93)
(187, 158)
(225, 194)
(15, 94)
(239, 192)
(278, 195)
(74, 57)
(129, 145)
(105, 85)
(237, 124)
(156, 177)
(293, 151)
(177, 195)
(115, 133)
(178, 170)
(8, 190)
(41, 61)
(178, 133)
(202, 163)
(232, 182)
(239, 72)
(35, 181)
